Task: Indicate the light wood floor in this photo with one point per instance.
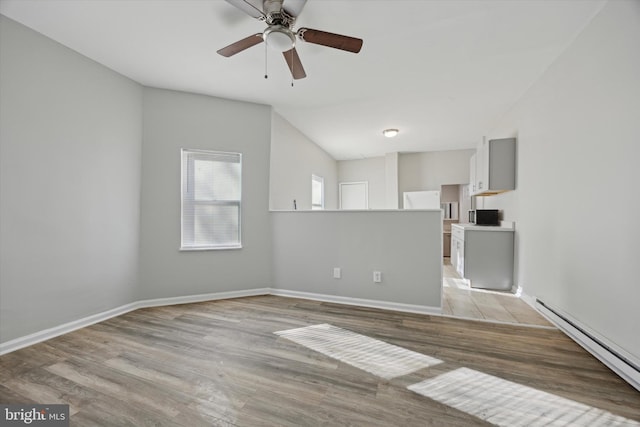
(220, 363)
(460, 300)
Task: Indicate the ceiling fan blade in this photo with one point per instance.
(294, 63)
(294, 7)
(241, 45)
(248, 8)
(336, 41)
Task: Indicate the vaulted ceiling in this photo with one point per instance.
(442, 71)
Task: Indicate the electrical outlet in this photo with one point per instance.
(337, 273)
(377, 276)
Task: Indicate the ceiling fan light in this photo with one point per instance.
(280, 39)
(390, 133)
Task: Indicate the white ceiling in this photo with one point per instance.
(441, 71)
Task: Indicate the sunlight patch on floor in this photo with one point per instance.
(451, 282)
(506, 403)
(374, 356)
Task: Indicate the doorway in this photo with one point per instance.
(354, 195)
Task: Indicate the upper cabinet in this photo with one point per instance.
(473, 175)
(492, 168)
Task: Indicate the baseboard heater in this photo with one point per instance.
(626, 368)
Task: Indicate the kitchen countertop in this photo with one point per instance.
(506, 226)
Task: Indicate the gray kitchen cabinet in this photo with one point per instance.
(492, 168)
(473, 173)
(484, 255)
(457, 249)
(454, 252)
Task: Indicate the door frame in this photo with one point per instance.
(366, 192)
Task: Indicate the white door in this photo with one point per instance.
(354, 195)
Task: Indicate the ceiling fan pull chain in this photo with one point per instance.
(293, 67)
(265, 61)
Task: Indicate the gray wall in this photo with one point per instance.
(430, 170)
(576, 206)
(90, 197)
(391, 180)
(406, 246)
(372, 170)
(294, 158)
(174, 120)
(396, 173)
(450, 193)
(70, 132)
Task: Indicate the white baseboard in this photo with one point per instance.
(46, 334)
(49, 333)
(598, 346)
(385, 305)
(616, 359)
(158, 302)
(608, 353)
(531, 301)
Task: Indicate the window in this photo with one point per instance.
(317, 192)
(211, 201)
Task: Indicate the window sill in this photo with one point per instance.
(208, 248)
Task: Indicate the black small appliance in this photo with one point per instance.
(484, 217)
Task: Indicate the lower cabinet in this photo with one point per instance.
(457, 255)
(484, 256)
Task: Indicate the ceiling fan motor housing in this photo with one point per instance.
(276, 15)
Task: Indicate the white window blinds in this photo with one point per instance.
(211, 199)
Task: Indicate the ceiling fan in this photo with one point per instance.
(280, 16)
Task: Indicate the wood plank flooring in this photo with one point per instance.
(219, 363)
(461, 301)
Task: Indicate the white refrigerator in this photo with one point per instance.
(421, 200)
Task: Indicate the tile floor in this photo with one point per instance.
(462, 301)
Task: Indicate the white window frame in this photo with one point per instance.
(188, 202)
(319, 179)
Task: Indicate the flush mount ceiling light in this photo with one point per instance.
(279, 38)
(390, 133)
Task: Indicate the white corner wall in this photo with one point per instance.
(70, 132)
(175, 120)
(576, 204)
(406, 246)
(294, 158)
